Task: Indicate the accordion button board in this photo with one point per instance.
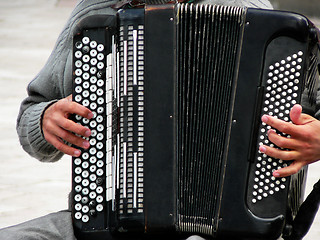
(282, 93)
(283, 86)
(91, 171)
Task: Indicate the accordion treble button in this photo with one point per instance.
(99, 74)
(78, 215)
(92, 204)
(93, 44)
(99, 208)
(84, 200)
(99, 181)
(85, 49)
(78, 45)
(85, 218)
(92, 195)
(93, 213)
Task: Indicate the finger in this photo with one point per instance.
(71, 126)
(76, 108)
(72, 138)
(299, 118)
(281, 141)
(53, 122)
(295, 114)
(278, 124)
(57, 116)
(69, 98)
(278, 153)
(61, 146)
(68, 107)
(293, 168)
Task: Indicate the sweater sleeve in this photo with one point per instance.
(54, 81)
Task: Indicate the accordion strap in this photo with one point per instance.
(306, 214)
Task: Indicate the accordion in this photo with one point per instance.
(177, 92)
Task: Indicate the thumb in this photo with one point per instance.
(69, 98)
(295, 114)
(299, 118)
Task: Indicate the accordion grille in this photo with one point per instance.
(207, 57)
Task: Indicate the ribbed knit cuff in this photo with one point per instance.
(31, 137)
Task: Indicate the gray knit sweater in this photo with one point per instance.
(54, 81)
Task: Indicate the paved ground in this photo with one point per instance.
(28, 188)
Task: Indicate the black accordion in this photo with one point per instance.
(177, 92)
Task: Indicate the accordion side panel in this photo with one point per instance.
(272, 71)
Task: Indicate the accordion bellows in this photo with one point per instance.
(177, 93)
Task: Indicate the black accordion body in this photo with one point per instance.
(177, 93)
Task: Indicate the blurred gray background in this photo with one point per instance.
(310, 8)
